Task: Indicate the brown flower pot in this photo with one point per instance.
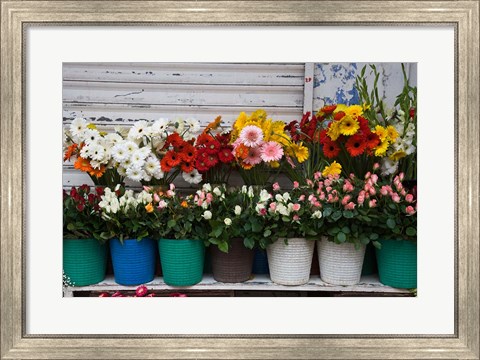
(234, 266)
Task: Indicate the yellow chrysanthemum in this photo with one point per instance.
(240, 122)
(258, 115)
(348, 125)
(381, 132)
(91, 126)
(340, 107)
(392, 133)
(397, 155)
(267, 130)
(382, 148)
(333, 131)
(298, 151)
(334, 169)
(354, 111)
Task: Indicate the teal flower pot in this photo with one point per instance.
(84, 261)
(182, 261)
(397, 263)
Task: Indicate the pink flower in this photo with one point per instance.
(403, 192)
(367, 175)
(321, 196)
(156, 198)
(162, 204)
(317, 175)
(374, 178)
(372, 203)
(296, 217)
(209, 198)
(254, 156)
(346, 199)
(410, 210)
(172, 186)
(170, 193)
(272, 206)
(147, 188)
(347, 186)
(117, 294)
(290, 162)
(376, 166)
(327, 182)
(141, 291)
(361, 197)
(296, 207)
(263, 212)
(104, 294)
(401, 176)
(349, 206)
(317, 204)
(328, 188)
(372, 191)
(385, 190)
(310, 197)
(295, 184)
(309, 182)
(251, 136)
(271, 151)
(409, 198)
(276, 187)
(395, 197)
(301, 198)
(200, 202)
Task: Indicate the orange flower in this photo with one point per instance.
(149, 208)
(203, 138)
(69, 153)
(214, 124)
(83, 164)
(172, 158)
(246, 166)
(184, 204)
(98, 172)
(241, 151)
(166, 167)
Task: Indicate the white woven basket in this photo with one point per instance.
(290, 264)
(340, 264)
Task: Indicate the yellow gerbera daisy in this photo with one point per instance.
(299, 151)
(267, 130)
(340, 107)
(397, 155)
(333, 131)
(334, 169)
(348, 125)
(240, 122)
(354, 111)
(392, 133)
(258, 115)
(382, 148)
(381, 132)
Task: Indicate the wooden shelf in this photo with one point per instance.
(368, 285)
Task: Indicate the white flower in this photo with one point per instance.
(152, 165)
(264, 195)
(282, 209)
(144, 197)
(317, 214)
(238, 210)
(259, 207)
(193, 126)
(227, 221)
(145, 151)
(77, 127)
(121, 171)
(159, 174)
(389, 166)
(179, 125)
(217, 191)
(160, 127)
(193, 177)
(207, 187)
(91, 136)
(158, 143)
(130, 147)
(250, 193)
(112, 140)
(244, 189)
(119, 152)
(138, 130)
(162, 204)
(135, 173)
(207, 215)
(279, 198)
(85, 152)
(286, 196)
(410, 149)
(96, 152)
(137, 159)
(122, 130)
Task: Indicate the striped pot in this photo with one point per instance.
(84, 261)
(340, 264)
(133, 261)
(397, 263)
(234, 266)
(182, 261)
(290, 264)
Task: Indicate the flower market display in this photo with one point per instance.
(350, 171)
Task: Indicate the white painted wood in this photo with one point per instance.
(367, 284)
(308, 87)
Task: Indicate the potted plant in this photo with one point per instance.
(180, 234)
(397, 222)
(289, 218)
(84, 250)
(348, 224)
(130, 223)
(231, 233)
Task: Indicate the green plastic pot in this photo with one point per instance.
(84, 261)
(182, 261)
(397, 263)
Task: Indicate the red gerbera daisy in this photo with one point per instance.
(323, 137)
(172, 158)
(356, 145)
(203, 138)
(372, 140)
(331, 149)
(212, 146)
(174, 139)
(187, 167)
(225, 155)
(328, 109)
(188, 153)
(339, 115)
(363, 125)
(165, 165)
(223, 139)
(211, 160)
(201, 165)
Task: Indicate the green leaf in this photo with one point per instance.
(377, 244)
(223, 246)
(333, 231)
(267, 233)
(341, 237)
(391, 223)
(336, 215)
(347, 214)
(171, 223)
(256, 226)
(373, 236)
(410, 231)
(327, 212)
(249, 243)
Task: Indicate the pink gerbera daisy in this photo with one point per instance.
(254, 156)
(271, 151)
(251, 136)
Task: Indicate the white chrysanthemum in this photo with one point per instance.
(121, 171)
(119, 152)
(152, 165)
(138, 130)
(160, 127)
(146, 177)
(137, 159)
(158, 143)
(97, 152)
(77, 127)
(91, 136)
(95, 164)
(134, 173)
(193, 177)
(122, 131)
(130, 147)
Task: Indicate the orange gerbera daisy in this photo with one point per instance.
(165, 166)
(98, 173)
(214, 124)
(188, 153)
(82, 164)
(241, 151)
(187, 167)
(246, 166)
(172, 158)
(69, 153)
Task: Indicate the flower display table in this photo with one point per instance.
(368, 286)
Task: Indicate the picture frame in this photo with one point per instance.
(17, 15)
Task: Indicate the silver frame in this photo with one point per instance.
(16, 15)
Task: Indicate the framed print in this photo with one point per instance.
(40, 39)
